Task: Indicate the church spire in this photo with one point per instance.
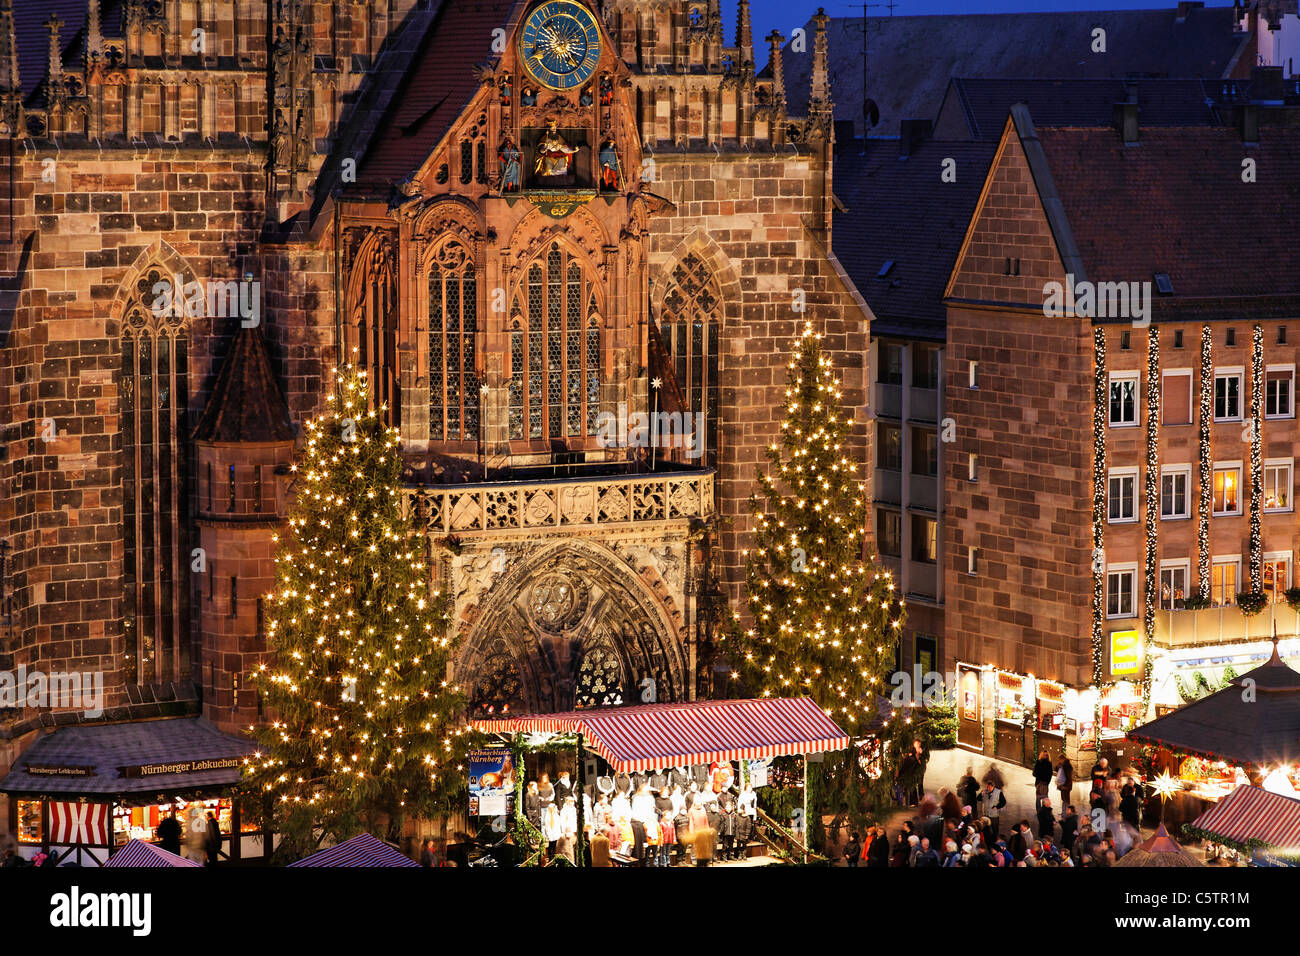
(745, 36)
(819, 102)
(94, 35)
(774, 41)
(55, 68)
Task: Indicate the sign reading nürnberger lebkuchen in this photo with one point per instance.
(181, 766)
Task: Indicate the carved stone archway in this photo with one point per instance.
(569, 627)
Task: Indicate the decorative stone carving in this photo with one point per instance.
(557, 602)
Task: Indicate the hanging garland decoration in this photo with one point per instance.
(1153, 509)
(1256, 474)
(1203, 506)
(1099, 420)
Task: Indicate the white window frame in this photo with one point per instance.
(1226, 559)
(1163, 378)
(1119, 474)
(1184, 565)
(1226, 466)
(1135, 378)
(1289, 465)
(1186, 472)
(1120, 569)
(1282, 367)
(1273, 557)
(1239, 373)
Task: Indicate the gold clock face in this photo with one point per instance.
(560, 44)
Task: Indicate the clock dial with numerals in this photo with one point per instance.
(560, 44)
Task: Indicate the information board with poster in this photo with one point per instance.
(757, 773)
(491, 782)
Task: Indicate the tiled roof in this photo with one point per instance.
(1176, 203)
(108, 747)
(435, 88)
(910, 59)
(246, 404)
(983, 103)
(899, 209)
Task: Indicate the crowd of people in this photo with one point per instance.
(669, 818)
(964, 826)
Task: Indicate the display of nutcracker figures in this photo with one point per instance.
(611, 175)
(510, 158)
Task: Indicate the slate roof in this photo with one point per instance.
(246, 404)
(109, 747)
(911, 59)
(898, 209)
(981, 104)
(434, 88)
(1264, 731)
(1176, 203)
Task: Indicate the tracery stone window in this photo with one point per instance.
(600, 679)
(555, 352)
(154, 396)
(689, 326)
(372, 332)
(453, 327)
(498, 688)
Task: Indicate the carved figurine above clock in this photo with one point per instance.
(560, 44)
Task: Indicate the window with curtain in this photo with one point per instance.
(554, 390)
(454, 399)
(689, 327)
(153, 396)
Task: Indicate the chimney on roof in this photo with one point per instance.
(1247, 116)
(1266, 87)
(911, 134)
(1126, 121)
(1187, 6)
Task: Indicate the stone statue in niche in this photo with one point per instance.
(606, 90)
(585, 98)
(528, 97)
(507, 91)
(510, 157)
(611, 174)
(281, 142)
(554, 155)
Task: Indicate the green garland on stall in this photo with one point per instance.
(528, 839)
(1250, 846)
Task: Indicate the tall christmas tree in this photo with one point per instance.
(366, 727)
(823, 621)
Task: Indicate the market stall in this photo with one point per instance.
(361, 850)
(658, 738)
(137, 853)
(1247, 734)
(1015, 707)
(83, 791)
(1248, 819)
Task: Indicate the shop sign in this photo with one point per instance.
(181, 766)
(1125, 652)
(491, 782)
(51, 770)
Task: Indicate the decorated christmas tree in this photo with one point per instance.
(364, 727)
(822, 621)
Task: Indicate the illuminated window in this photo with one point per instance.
(1277, 576)
(1227, 489)
(1224, 573)
(1277, 484)
(1173, 584)
(29, 821)
(454, 399)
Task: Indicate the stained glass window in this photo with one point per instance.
(555, 382)
(498, 688)
(600, 679)
(453, 325)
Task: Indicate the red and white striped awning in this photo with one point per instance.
(653, 736)
(1250, 813)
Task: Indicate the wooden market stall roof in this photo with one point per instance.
(1254, 720)
(1252, 813)
(653, 736)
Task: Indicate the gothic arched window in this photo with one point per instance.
(600, 679)
(372, 331)
(453, 323)
(689, 325)
(555, 352)
(498, 688)
(153, 397)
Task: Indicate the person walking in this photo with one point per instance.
(169, 834)
(1042, 777)
(1046, 821)
(992, 802)
(1064, 779)
(1129, 807)
(212, 845)
(1069, 828)
(968, 788)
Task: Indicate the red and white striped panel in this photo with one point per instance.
(85, 823)
(662, 735)
(1249, 813)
